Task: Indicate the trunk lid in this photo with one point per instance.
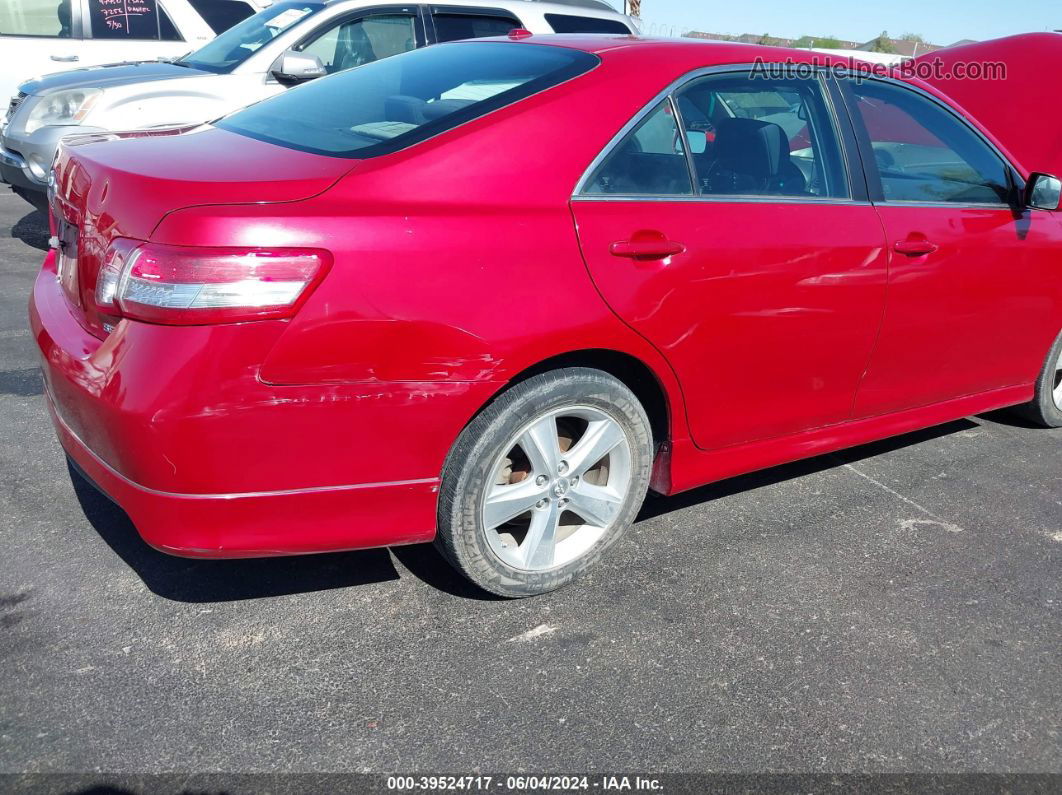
(106, 189)
(1009, 104)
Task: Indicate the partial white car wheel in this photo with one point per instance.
(1046, 406)
(542, 482)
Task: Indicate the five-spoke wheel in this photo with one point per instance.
(545, 479)
(557, 489)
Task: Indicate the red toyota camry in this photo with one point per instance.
(490, 292)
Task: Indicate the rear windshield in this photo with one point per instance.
(395, 102)
(240, 42)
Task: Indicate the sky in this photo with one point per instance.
(938, 21)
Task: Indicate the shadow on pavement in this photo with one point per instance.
(1011, 418)
(202, 581)
(658, 506)
(32, 229)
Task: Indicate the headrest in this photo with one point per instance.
(751, 147)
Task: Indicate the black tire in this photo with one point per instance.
(1043, 410)
(471, 469)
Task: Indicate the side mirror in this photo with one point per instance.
(697, 141)
(296, 67)
(1043, 192)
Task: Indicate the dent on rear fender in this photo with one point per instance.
(370, 349)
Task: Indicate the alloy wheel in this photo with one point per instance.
(558, 487)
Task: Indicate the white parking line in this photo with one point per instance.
(909, 524)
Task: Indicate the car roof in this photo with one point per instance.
(698, 51)
(593, 7)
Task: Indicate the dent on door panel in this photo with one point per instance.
(769, 316)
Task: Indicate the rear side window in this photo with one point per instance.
(222, 14)
(564, 23)
(753, 137)
(452, 27)
(650, 161)
(139, 20)
(51, 18)
(923, 153)
(396, 102)
(738, 136)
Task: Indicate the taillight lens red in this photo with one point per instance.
(189, 285)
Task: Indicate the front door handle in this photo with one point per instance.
(915, 248)
(646, 247)
(66, 58)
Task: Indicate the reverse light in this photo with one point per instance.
(189, 285)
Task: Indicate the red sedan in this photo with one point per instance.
(489, 293)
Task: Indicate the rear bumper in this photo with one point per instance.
(174, 425)
(263, 524)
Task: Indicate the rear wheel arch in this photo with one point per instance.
(662, 405)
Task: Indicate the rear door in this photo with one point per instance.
(723, 226)
(975, 286)
(37, 37)
(137, 30)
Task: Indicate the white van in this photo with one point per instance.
(290, 42)
(42, 36)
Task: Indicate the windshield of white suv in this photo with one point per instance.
(395, 102)
(239, 43)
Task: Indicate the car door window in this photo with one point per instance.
(360, 41)
(649, 161)
(139, 20)
(755, 137)
(924, 153)
(240, 42)
(51, 18)
(452, 27)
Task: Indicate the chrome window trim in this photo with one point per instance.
(668, 95)
(841, 125)
(942, 205)
(1011, 168)
(687, 153)
(734, 199)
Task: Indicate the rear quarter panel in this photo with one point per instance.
(455, 260)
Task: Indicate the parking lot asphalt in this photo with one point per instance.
(892, 608)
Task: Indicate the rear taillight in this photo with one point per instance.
(188, 285)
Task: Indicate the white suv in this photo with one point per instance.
(290, 42)
(42, 36)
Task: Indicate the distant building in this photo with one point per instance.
(901, 48)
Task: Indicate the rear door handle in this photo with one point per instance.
(915, 248)
(66, 58)
(646, 249)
